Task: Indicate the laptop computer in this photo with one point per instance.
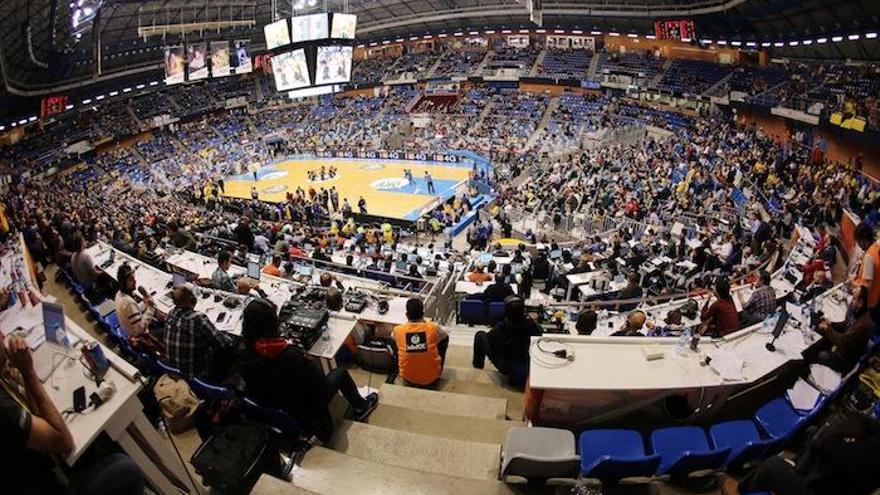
(110, 259)
(253, 269)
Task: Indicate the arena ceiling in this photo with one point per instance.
(39, 51)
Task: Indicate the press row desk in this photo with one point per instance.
(610, 376)
(800, 254)
(278, 290)
(121, 417)
(471, 288)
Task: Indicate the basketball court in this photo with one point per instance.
(381, 183)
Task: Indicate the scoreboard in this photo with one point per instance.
(675, 29)
(52, 105)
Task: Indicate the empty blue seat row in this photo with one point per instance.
(475, 311)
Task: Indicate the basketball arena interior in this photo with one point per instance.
(451, 247)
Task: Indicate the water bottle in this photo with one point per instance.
(683, 341)
(325, 333)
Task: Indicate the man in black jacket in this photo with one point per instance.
(281, 376)
(500, 289)
(507, 344)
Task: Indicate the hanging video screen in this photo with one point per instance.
(290, 70)
(220, 59)
(175, 64)
(276, 34)
(333, 64)
(241, 59)
(309, 28)
(196, 56)
(344, 26)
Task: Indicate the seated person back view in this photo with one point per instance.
(304, 392)
(720, 317)
(632, 325)
(507, 344)
(32, 430)
(479, 275)
(421, 346)
(192, 344)
(500, 289)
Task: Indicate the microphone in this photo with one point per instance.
(143, 291)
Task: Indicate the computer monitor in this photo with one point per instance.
(178, 280)
(485, 258)
(556, 253)
(53, 321)
(253, 269)
(304, 270)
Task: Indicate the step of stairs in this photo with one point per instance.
(443, 425)
(443, 402)
(326, 471)
(270, 485)
(417, 452)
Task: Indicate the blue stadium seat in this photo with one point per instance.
(496, 311)
(743, 439)
(205, 390)
(685, 449)
(615, 454)
(778, 419)
(471, 311)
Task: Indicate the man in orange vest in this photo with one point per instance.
(421, 346)
(868, 276)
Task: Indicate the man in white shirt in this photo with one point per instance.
(134, 318)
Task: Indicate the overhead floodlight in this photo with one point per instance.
(506, 31)
(139, 86)
(595, 33)
(32, 118)
(386, 42)
(736, 43)
(853, 37)
(399, 40)
(793, 43)
(22, 122)
(559, 31)
(706, 41)
(632, 35)
(490, 31)
(686, 40)
(613, 34)
(751, 43)
(870, 36)
(99, 97)
(765, 44)
(822, 41)
(837, 39)
(722, 42)
(807, 42)
(778, 44)
(577, 31)
(154, 83)
(114, 93)
(87, 101)
(650, 37)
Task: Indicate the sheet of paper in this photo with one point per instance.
(803, 396)
(728, 365)
(826, 379)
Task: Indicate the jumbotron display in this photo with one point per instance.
(311, 50)
(675, 29)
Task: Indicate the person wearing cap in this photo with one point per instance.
(421, 346)
(507, 344)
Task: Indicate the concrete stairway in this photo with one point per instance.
(659, 75)
(418, 441)
(537, 65)
(436, 64)
(542, 125)
(488, 58)
(721, 83)
(594, 66)
(487, 109)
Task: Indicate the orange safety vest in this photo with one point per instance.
(873, 285)
(418, 358)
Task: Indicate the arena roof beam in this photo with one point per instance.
(561, 10)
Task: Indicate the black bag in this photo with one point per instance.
(234, 457)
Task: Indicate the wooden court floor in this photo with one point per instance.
(380, 182)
